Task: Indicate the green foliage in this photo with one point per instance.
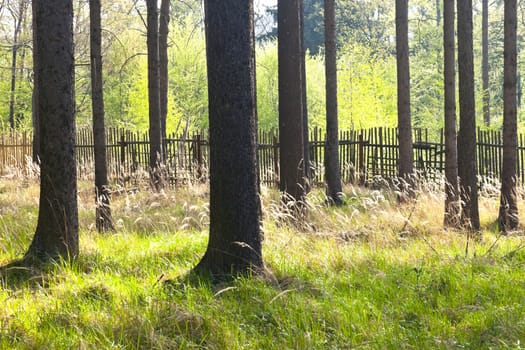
(313, 30)
(22, 94)
(367, 89)
(366, 95)
(369, 23)
(267, 85)
(187, 91)
(366, 66)
(427, 83)
(138, 108)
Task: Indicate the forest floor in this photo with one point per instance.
(370, 274)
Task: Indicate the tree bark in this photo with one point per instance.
(235, 211)
(291, 119)
(406, 153)
(332, 168)
(164, 22)
(467, 171)
(56, 234)
(485, 60)
(452, 205)
(155, 132)
(306, 136)
(35, 106)
(104, 221)
(508, 211)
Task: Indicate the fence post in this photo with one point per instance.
(198, 151)
(361, 159)
(122, 149)
(276, 159)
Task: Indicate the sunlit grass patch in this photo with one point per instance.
(370, 274)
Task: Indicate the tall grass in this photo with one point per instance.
(370, 274)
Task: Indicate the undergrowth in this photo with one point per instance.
(368, 274)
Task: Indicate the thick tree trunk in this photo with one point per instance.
(333, 171)
(235, 211)
(35, 106)
(452, 205)
(102, 194)
(406, 153)
(155, 132)
(57, 230)
(467, 124)
(164, 22)
(291, 119)
(508, 211)
(485, 60)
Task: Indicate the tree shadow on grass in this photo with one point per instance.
(19, 274)
(219, 284)
(23, 273)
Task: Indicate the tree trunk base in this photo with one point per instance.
(228, 270)
(508, 220)
(104, 221)
(452, 214)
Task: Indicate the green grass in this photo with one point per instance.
(367, 275)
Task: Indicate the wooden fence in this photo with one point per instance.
(363, 154)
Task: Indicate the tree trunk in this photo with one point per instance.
(333, 171)
(13, 84)
(57, 230)
(438, 12)
(35, 106)
(406, 153)
(235, 211)
(485, 60)
(164, 22)
(508, 211)
(102, 193)
(155, 132)
(452, 206)
(14, 53)
(467, 171)
(306, 136)
(291, 119)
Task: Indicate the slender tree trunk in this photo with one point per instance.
(14, 53)
(164, 22)
(21, 77)
(467, 171)
(438, 12)
(235, 211)
(13, 85)
(452, 205)
(155, 132)
(485, 60)
(35, 106)
(291, 119)
(406, 152)
(102, 193)
(56, 234)
(508, 211)
(333, 171)
(306, 136)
